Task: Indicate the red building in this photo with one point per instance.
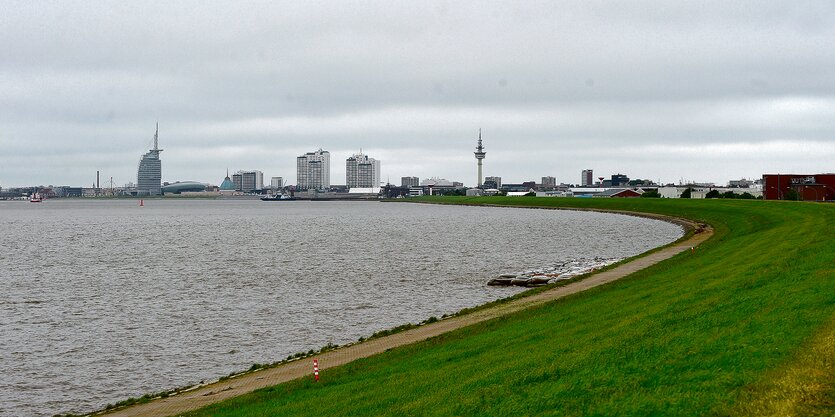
(814, 187)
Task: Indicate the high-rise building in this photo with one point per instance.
(313, 170)
(409, 181)
(238, 181)
(252, 181)
(495, 180)
(149, 175)
(548, 183)
(248, 181)
(587, 178)
(362, 172)
(479, 156)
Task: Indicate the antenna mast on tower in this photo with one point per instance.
(156, 138)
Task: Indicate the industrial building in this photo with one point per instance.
(806, 187)
(407, 182)
(492, 182)
(435, 185)
(618, 180)
(619, 193)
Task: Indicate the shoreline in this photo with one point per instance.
(192, 398)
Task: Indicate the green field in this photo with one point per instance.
(745, 326)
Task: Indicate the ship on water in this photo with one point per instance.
(280, 195)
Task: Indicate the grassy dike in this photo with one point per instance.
(745, 326)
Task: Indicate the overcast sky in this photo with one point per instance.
(701, 91)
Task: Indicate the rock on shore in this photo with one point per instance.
(550, 274)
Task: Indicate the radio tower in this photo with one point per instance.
(479, 155)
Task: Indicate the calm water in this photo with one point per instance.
(105, 300)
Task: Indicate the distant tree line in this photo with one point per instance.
(716, 194)
(730, 194)
(454, 191)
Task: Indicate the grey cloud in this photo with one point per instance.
(91, 78)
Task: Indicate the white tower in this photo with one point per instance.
(479, 155)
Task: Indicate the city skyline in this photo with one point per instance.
(149, 181)
(700, 91)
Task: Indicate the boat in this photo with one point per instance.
(35, 198)
(279, 197)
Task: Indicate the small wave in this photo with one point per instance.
(12, 302)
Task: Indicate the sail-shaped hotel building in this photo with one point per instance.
(149, 175)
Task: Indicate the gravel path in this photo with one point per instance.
(209, 394)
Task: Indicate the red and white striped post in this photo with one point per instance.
(316, 369)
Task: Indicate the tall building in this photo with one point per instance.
(587, 178)
(276, 183)
(479, 156)
(248, 181)
(495, 180)
(149, 175)
(362, 172)
(252, 181)
(313, 170)
(409, 181)
(238, 181)
(549, 183)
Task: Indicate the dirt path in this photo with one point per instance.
(203, 396)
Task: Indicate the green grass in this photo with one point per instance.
(727, 331)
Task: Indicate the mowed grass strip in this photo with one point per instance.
(697, 334)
